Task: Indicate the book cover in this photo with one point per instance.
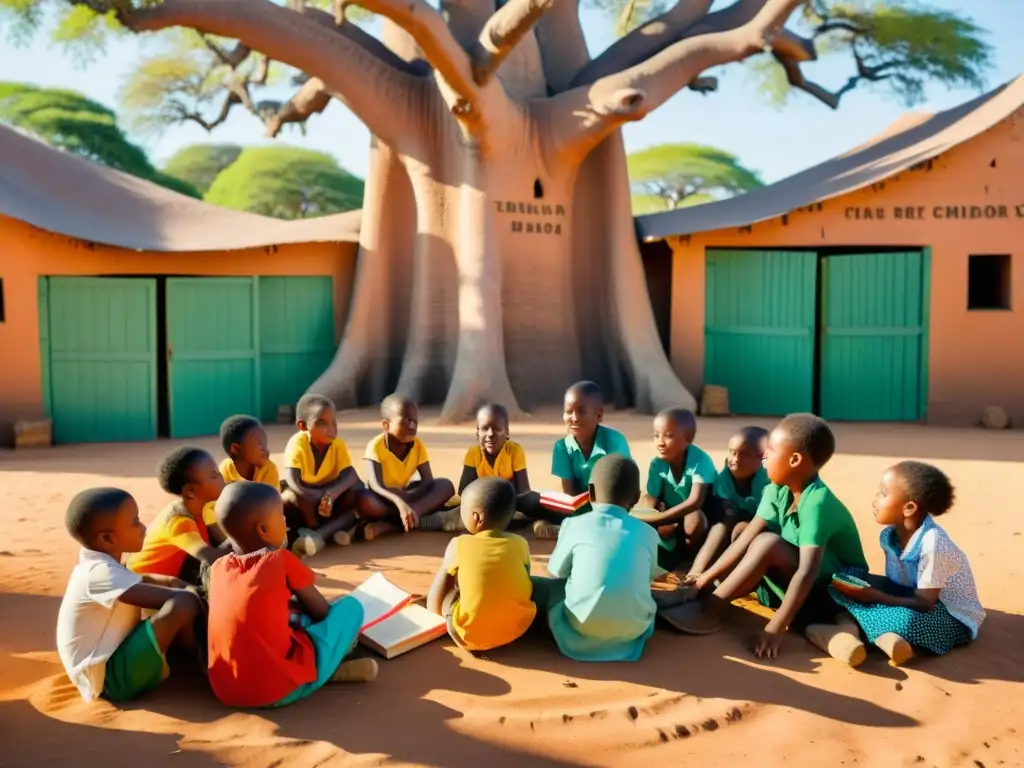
(392, 623)
(563, 502)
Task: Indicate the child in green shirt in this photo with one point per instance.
(737, 492)
(800, 536)
(678, 500)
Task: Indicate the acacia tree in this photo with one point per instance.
(670, 176)
(286, 183)
(497, 255)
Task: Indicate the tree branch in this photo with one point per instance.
(428, 28)
(502, 33)
(385, 98)
(367, 42)
(581, 118)
(232, 58)
(563, 49)
(687, 19)
(312, 98)
(831, 99)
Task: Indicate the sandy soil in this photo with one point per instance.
(704, 699)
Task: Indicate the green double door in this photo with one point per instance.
(232, 345)
(841, 334)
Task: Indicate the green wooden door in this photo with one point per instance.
(872, 337)
(99, 348)
(212, 343)
(759, 332)
(296, 337)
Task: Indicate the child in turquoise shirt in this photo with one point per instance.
(599, 605)
(588, 440)
(678, 500)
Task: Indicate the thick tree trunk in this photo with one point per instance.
(491, 272)
(369, 360)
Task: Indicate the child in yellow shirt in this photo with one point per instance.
(483, 587)
(245, 442)
(183, 537)
(394, 458)
(496, 455)
(323, 495)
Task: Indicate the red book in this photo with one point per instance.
(563, 502)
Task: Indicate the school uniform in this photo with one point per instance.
(663, 485)
(819, 520)
(599, 605)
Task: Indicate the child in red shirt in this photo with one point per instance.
(257, 658)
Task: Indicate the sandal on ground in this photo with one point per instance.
(691, 619)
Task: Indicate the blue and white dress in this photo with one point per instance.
(930, 561)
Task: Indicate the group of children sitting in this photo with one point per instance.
(219, 571)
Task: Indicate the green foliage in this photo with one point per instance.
(645, 204)
(199, 164)
(69, 121)
(286, 183)
(899, 46)
(684, 174)
(175, 184)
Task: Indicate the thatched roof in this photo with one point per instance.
(67, 195)
(911, 140)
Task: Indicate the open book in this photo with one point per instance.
(563, 502)
(393, 623)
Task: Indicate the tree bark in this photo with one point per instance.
(498, 260)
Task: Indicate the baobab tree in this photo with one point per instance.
(497, 256)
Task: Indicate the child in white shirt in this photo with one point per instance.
(928, 599)
(105, 646)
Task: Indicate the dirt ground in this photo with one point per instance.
(705, 698)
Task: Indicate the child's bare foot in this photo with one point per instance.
(342, 538)
(896, 648)
(377, 529)
(355, 671)
(308, 543)
(542, 529)
(840, 641)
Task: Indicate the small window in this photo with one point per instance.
(1, 300)
(988, 282)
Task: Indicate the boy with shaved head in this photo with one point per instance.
(599, 605)
(257, 658)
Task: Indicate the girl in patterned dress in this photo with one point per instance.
(927, 599)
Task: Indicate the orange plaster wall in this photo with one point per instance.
(976, 358)
(26, 253)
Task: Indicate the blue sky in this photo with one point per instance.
(775, 142)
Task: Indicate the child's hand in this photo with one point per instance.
(408, 517)
(767, 644)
